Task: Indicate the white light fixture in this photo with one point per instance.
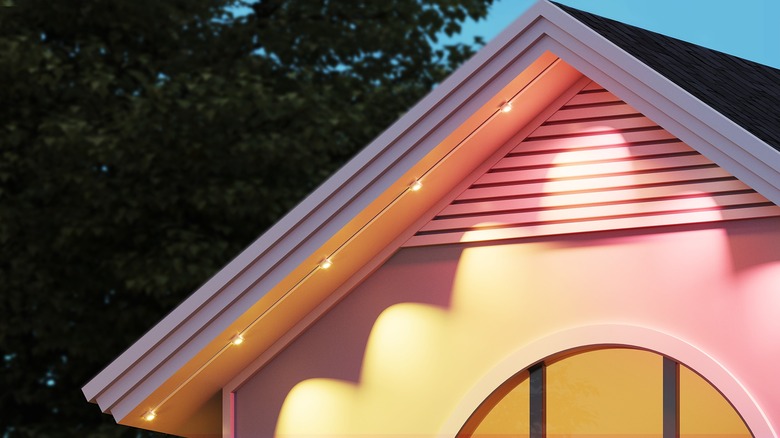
(506, 107)
(150, 415)
(325, 264)
(415, 186)
(237, 339)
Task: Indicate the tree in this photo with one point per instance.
(143, 143)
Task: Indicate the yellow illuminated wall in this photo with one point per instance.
(400, 354)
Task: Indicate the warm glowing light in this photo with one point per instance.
(150, 415)
(237, 340)
(325, 264)
(416, 186)
(506, 107)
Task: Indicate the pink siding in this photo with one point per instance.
(596, 164)
(711, 285)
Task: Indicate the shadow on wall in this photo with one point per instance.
(418, 359)
(402, 348)
(335, 350)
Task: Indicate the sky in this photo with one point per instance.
(749, 29)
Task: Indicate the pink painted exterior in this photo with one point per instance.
(705, 295)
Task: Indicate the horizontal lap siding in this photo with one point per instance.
(596, 164)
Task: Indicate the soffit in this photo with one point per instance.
(375, 227)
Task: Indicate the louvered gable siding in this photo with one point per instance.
(596, 164)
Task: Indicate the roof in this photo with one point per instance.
(359, 217)
(744, 91)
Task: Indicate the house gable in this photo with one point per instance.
(275, 289)
(596, 164)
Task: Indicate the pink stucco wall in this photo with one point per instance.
(715, 287)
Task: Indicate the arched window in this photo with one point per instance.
(608, 392)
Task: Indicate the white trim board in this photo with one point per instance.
(280, 255)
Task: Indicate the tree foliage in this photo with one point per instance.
(143, 143)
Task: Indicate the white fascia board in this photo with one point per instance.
(714, 135)
(206, 313)
(201, 317)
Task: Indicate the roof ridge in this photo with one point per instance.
(574, 11)
(744, 91)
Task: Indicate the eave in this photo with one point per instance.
(364, 212)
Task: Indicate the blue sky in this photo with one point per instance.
(746, 28)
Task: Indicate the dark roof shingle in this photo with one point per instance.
(746, 92)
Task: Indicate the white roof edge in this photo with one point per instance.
(296, 226)
(749, 158)
(722, 140)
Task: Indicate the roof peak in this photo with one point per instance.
(574, 12)
(744, 91)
